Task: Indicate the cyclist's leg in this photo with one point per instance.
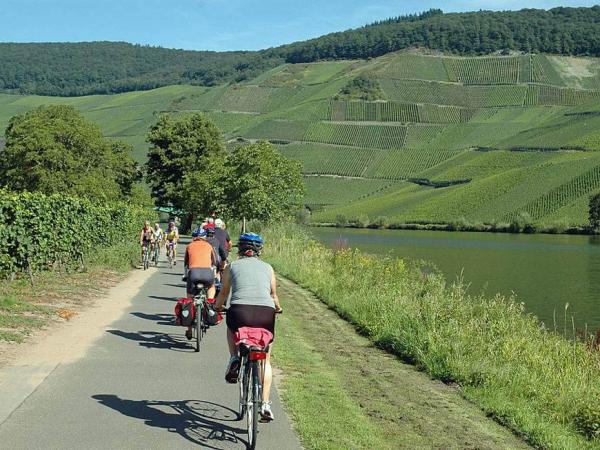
(267, 376)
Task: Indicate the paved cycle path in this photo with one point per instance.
(141, 386)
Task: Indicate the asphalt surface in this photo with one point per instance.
(142, 386)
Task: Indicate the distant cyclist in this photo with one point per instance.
(200, 262)
(212, 240)
(254, 301)
(159, 236)
(223, 236)
(146, 237)
(172, 236)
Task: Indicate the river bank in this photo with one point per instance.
(532, 380)
(465, 226)
(333, 377)
(557, 277)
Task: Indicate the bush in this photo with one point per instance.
(361, 221)
(40, 231)
(341, 221)
(380, 222)
(588, 420)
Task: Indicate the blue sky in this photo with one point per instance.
(214, 24)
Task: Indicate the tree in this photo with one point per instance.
(204, 190)
(181, 147)
(262, 183)
(54, 149)
(594, 212)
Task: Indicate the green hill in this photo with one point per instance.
(71, 69)
(484, 138)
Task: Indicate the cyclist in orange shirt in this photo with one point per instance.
(200, 262)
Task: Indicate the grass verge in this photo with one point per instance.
(58, 295)
(342, 392)
(538, 383)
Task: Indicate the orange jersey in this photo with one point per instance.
(199, 254)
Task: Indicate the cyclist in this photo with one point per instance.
(219, 250)
(223, 236)
(172, 237)
(254, 302)
(146, 237)
(159, 236)
(200, 262)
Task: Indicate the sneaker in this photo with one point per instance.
(265, 412)
(188, 334)
(233, 369)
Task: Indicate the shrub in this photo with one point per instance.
(379, 222)
(39, 231)
(341, 221)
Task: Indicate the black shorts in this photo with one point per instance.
(254, 316)
(204, 276)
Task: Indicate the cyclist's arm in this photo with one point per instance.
(142, 237)
(185, 258)
(274, 292)
(225, 288)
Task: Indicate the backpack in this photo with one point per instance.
(185, 312)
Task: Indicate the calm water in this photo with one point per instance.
(545, 271)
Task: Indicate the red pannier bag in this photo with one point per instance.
(185, 312)
(212, 317)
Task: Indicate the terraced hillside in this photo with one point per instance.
(484, 138)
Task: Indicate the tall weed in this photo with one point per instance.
(542, 385)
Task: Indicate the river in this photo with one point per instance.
(546, 272)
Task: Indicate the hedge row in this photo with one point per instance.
(38, 231)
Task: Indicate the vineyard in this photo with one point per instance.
(42, 231)
(505, 70)
(374, 136)
(519, 127)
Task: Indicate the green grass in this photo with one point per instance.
(533, 380)
(358, 384)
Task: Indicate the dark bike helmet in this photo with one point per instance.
(250, 243)
(198, 232)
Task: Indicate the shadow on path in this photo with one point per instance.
(203, 423)
(160, 319)
(154, 339)
(156, 297)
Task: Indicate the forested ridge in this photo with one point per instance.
(71, 69)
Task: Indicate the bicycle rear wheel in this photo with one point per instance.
(252, 408)
(243, 381)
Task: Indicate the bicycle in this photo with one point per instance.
(250, 385)
(171, 253)
(200, 325)
(156, 252)
(145, 255)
